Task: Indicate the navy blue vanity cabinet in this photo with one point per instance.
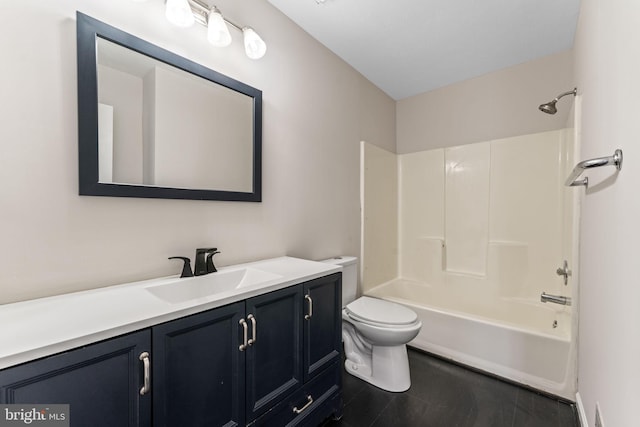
(208, 371)
(322, 324)
(198, 370)
(270, 360)
(319, 394)
(298, 339)
(101, 382)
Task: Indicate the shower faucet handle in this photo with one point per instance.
(564, 271)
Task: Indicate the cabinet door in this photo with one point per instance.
(322, 324)
(199, 370)
(100, 382)
(274, 360)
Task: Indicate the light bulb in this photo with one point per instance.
(217, 30)
(178, 12)
(254, 46)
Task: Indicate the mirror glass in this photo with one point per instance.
(159, 125)
(165, 127)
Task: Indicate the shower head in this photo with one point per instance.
(550, 107)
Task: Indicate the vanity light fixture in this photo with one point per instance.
(254, 46)
(217, 31)
(178, 12)
(184, 13)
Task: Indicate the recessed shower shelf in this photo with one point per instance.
(615, 160)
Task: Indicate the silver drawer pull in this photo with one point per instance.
(245, 334)
(309, 402)
(254, 337)
(310, 315)
(144, 357)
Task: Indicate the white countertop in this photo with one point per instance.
(41, 327)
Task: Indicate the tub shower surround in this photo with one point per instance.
(482, 229)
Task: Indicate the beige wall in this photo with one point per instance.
(607, 69)
(316, 111)
(498, 105)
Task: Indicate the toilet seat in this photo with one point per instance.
(378, 312)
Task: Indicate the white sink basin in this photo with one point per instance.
(192, 288)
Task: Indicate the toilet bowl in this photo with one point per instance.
(375, 333)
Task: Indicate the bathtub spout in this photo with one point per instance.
(556, 299)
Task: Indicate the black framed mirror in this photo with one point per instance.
(153, 124)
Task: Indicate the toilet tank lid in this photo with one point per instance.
(381, 311)
(341, 260)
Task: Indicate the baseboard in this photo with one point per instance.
(582, 415)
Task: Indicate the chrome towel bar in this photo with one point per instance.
(615, 160)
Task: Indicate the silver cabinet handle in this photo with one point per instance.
(245, 334)
(254, 337)
(308, 298)
(309, 402)
(144, 357)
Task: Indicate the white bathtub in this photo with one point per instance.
(509, 337)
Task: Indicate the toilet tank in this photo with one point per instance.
(349, 276)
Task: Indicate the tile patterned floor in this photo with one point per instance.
(447, 395)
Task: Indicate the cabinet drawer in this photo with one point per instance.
(310, 404)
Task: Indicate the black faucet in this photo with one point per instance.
(186, 267)
(204, 265)
(210, 267)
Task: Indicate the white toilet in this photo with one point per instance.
(375, 333)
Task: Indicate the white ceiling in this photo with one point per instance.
(407, 47)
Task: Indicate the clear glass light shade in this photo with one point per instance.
(254, 46)
(217, 30)
(178, 12)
